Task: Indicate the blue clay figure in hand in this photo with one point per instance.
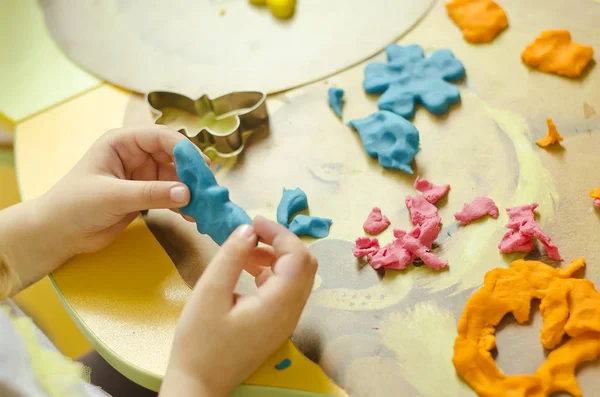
(408, 77)
(209, 205)
(335, 96)
(304, 225)
(392, 139)
(292, 202)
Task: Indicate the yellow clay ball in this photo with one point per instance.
(282, 9)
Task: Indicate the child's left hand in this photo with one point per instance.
(124, 172)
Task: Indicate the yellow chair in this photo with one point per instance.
(39, 301)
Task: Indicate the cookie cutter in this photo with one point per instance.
(221, 125)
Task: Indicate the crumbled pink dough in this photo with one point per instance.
(532, 229)
(431, 192)
(597, 202)
(391, 256)
(521, 221)
(376, 222)
(409, 246)
(479, 207)
(365, 246)
(515, 241)
(518, 216)
(427, 232)
(420, 209)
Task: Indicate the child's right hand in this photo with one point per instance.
(222, 338)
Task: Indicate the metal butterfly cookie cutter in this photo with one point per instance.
(221, 125)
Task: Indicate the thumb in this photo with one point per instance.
(223, 272)
(133, 196)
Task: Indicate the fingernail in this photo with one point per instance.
(179, 194)
(246, 232)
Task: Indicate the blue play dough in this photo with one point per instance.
(408, 77)
(284, 364)
(210, 206)
(389, 137)
(292, 201)
(304, 225)
(335, 96)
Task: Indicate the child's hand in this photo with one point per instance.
(221, 337)
(125, 171)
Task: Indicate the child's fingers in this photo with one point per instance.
(125, 196)
(167, 172)
(222, 274)
(285, 287)
(133, 145)
(261, 258)
(279, 302)
(153, 139)
(264, 275)
(294, 259)
(186, 217)
(152, 171)
(289, 285)
(277, 236)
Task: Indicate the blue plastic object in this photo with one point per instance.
(210, 206)
(408, 77)
(292, 201)
(335, 96)
(304, 225)
(389, 137)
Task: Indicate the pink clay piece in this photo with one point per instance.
(521, 221)
(409, 246)
(431, 192)
(376, 222)
(420, 209)
(477, 208)
(365, 246)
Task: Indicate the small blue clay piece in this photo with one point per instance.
(210, 206)
(292, 201)
(283, 364)
(389, 137)
(409, 77)
(335, 96)
(304, 225)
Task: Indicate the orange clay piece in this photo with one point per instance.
(554, 52)
(568, 305)
(552, 136)
(480, 20)
(595, 194)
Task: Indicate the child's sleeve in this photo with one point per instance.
(30, 366)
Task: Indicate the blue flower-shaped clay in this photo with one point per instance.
(389, 137)
(409, 77)
(210, 206)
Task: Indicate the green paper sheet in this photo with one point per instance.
(34, 73)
